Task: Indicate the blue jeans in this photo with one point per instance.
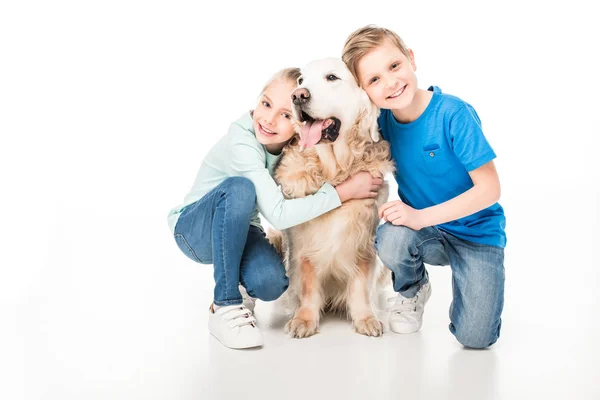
(216, 230)
(477, 276)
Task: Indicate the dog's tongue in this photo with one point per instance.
(311, 133)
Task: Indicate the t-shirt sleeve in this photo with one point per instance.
(467, 139)
(248, 161)
(382, 123)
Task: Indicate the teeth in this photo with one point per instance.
(266, 130)
(398, 93)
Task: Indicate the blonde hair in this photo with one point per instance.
(286, 74)
(365, 39)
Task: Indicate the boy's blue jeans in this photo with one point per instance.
(477, 276)
(216, 230)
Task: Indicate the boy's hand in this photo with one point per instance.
(398, 213)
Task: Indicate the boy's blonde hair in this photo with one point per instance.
(365, 39)
(286, 74)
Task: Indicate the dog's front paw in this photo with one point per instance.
(300, 328)
(369, 326)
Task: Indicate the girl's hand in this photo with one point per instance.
(398, 213)
(361, 185)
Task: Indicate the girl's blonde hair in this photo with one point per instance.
(365, 39)
(286, 74)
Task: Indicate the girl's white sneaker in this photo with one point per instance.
(235, 327)
(249, 302)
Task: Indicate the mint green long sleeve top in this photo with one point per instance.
(239, 153)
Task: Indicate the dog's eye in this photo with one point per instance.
(300, 80)
(332, 78)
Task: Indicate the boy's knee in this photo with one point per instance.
(475, 336)
(391, 241)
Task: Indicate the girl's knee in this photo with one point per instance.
(240, 194)
(268, 287)
(240, 186)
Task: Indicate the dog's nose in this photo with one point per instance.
(300, 96)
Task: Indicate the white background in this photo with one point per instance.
(106, 111)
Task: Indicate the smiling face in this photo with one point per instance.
(272, 115)
(327, 101)
(388, 76)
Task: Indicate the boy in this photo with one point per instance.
(448, 186)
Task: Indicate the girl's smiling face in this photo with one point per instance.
(272, 116)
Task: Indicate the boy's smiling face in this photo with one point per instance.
(388, 76)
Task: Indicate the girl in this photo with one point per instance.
(218, 221)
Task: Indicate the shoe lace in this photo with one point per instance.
(239, 316)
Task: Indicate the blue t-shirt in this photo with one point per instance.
(433, 156)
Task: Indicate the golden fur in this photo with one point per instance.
(331, 260)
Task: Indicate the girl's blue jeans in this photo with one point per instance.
(216, 230)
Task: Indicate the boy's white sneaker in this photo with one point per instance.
(406, 314)
(235, 327)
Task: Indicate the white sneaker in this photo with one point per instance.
(249, 302)
(235, 327)
(383, 296)
(406, 315)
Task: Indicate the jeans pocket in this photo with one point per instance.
(186, 248)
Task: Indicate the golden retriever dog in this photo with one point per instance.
(331, 260)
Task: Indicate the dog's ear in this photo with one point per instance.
(370, 113)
